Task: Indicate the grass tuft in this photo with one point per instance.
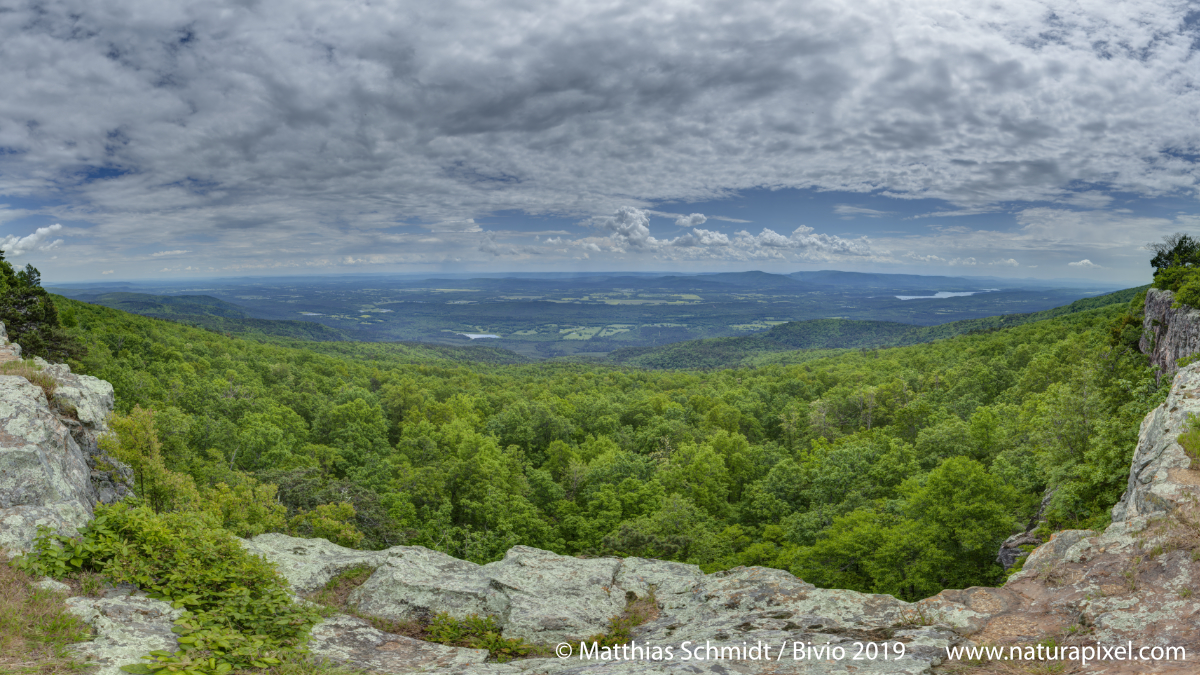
(31, 372)
(620, 628)
(35, 627)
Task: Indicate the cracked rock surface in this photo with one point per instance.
(46, 455)
(126, 628)
(1168, 334)
(546, 598)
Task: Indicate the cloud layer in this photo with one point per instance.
(260, 133)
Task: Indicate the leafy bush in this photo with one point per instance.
(247, 509)
(134, 441)
(1126, 330)
(1190, 440)
(1184, 282)
(478, 632)
(239, 613)
(334, 522)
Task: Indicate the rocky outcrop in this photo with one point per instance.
(550, 599)
(46, 476)
(1168, 334)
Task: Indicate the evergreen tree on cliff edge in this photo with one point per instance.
(30, 317)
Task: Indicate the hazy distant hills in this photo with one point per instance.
(835, 334)
(594, 315)
(205, 311)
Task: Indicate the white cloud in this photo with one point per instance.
(967, 262)
(690, 221)
(1085, 263)
(1091, 199)
(160, 254)
(699, 237)
(1009, 262)
(306, 124)
(847, 211)
(106, 272)
(628, 230)
(928, 258)
(468, 225)
(803, 239)
(628, 227)
(956, 213)
(14, 245)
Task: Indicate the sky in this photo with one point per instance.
(168, 140)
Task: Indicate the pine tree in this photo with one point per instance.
(30, 317)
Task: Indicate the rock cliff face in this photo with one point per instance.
(1168, 335)
(1132, 583)
(47, 452)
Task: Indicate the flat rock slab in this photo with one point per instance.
(309, 564)
(355, 642)
(416, 583)
(552, 597)
(127, 628)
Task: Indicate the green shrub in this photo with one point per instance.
(478, 632)
(1183, 281)
(1190, 439)
(333, 522)
(239, 613)
(247, 509)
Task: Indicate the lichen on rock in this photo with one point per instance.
(127, 627)
(47, 477)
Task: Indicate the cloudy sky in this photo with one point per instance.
(151, 139)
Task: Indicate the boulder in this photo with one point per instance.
(1160, 476)
(308, 564)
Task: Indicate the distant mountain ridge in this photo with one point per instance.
(205, 311)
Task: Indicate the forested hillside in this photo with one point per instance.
(892, 470)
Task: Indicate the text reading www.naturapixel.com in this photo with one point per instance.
(1081, 654)
(860, 651)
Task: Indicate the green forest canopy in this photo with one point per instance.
(891, 470)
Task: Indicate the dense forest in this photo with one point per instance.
(893, 470)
